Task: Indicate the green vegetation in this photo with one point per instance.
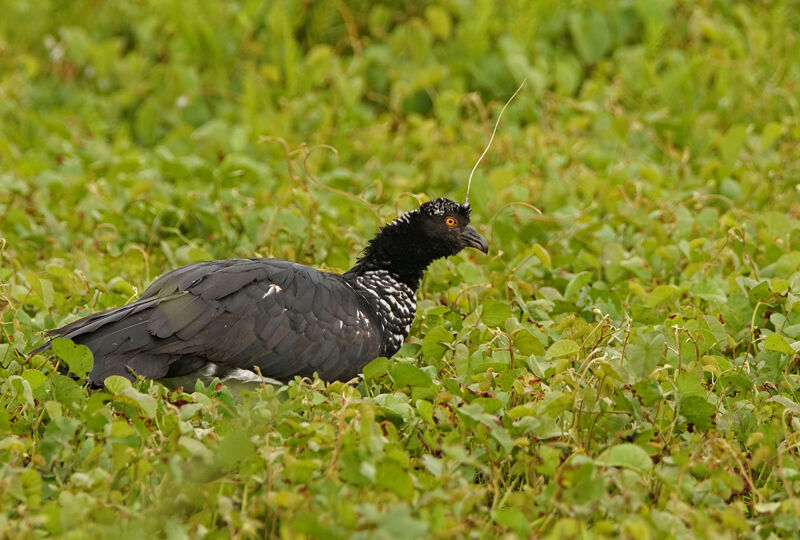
(624, 362)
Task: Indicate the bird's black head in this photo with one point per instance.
(446, 227)
(406, 246)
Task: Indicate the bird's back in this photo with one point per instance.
(282, 317)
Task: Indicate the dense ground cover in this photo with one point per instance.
(624, 362)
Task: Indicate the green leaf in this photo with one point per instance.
(77, 357)
(116, 384)
(439, 21)
(404, 374)
(591, 35)
(568, 73)
(661, 294)
(390, 475)
(526, 342)
(697, 411)
(709, 289)
(195, 448)
(555, 402)
(145, 402)
(541, 253)
(736, 380)
(732, 143)
(562, 348)
(767, 507)
(67, 391)
(776, 343)
(234, 448)
(120, 286)
(772, 132)
(398, 523)
(471, 274)
(627, 455)
(395, 406)
(648, 391)
(35, 377)
(499, 433)
(495, 313)
(515, 520)
(48, 293)
(425, 410)
(490, 405)
(435, 342)
(35, 283)
(689, 384)
(576, 284)
(54, 409)
(736, 313)
(788, 403)
(377, 368)
(22, 389)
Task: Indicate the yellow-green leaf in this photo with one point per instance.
(776, 343)
(562, 348)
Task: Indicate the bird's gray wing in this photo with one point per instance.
(285, 318)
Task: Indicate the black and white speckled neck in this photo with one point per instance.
(393, 302)
(391, 267)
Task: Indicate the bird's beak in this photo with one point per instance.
(472, 238)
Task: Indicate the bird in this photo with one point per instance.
(276, 319)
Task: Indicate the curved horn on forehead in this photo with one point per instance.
(489, 144)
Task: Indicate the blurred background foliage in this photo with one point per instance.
(174, 111)
(658, 138)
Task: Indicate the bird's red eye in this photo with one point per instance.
(450, 221)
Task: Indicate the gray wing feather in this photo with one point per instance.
(282, 317)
